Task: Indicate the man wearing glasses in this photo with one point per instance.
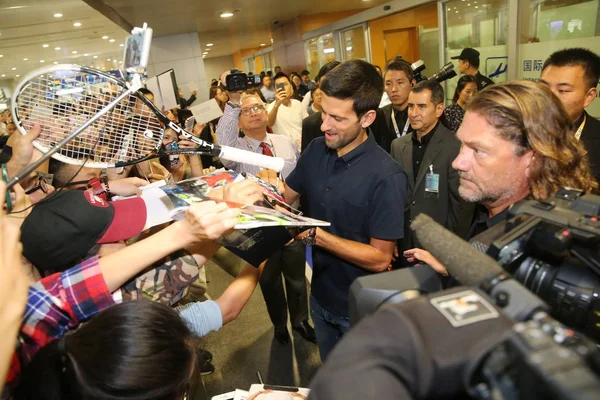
(248, 114)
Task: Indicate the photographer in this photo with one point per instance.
(285, 113)
(517, 142)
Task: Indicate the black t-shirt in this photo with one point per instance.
(482, 221)
(362, 194)
(482, 81)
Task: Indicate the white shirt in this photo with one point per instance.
(385, 100)
(289, 120)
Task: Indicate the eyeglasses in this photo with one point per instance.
(43, 181)
(254, 109)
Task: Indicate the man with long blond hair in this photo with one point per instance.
(517, 142)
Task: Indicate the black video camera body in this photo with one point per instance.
(552, 248)
(238, 81)
(446, 72)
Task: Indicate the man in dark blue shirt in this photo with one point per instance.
(347, 179)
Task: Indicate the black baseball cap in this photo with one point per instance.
(62, 229)
(468, 54)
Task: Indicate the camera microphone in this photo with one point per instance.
(472, 268)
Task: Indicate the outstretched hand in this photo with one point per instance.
(414, 255)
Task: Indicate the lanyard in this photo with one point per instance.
(396, 125)
(580, 129)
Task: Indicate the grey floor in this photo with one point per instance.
(246, 345)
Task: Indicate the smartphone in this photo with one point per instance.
(137, 49)
(280, 86)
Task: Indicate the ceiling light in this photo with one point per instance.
(205, 53)
(16, 76)
(468, 4)
(45, 45)
(25, 59)
(108, 59)
(1, 55)
(95, 57)
(112, 40)
(77, 24)
(42, 61)
(57, 15)
(14, 7)
(121, 45)
(85, 54)
(208, 44)
(57, 48)
(226, 14)
(55, 62)
(104, 37)
(456, 11)
(262, 44)
(476, 6)
(74, 52)
(14, 69)
(3, 75)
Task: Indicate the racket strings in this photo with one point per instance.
(63, 101)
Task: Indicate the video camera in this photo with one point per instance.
(446, 72)
(552, 248)
(238, 81)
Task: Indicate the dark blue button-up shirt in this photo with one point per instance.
(362, 194)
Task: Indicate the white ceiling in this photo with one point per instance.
(24, 30)
(26, 25)
(248, 28)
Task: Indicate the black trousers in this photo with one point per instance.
(290, 261)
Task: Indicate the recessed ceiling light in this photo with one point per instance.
(104, 37)
(262, 44)
(226, 14)
(476, 6)
(121, 45)
(25, 59)
(95, 57)
(57, 48)
(16, 76)
(77, 24)
(208, 44)
(205, 53)
(1, 55)
(55, 62)
(57, 15)
(13, 68)
(108, 59)
(3, 75)
(85, 54)
(42, 61)
(45, 45)
(74, 52)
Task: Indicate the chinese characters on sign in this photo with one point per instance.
(532, 65)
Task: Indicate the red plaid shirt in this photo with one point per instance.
(55, 305)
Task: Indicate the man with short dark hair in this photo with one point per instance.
(468, 64)
(427, 154)
(306, 82)
(311, 126)
(392, 120)
(277, 69)
(348, 180)
(267, 89)
(285, 113)
(572, 74)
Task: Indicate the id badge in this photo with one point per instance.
(432, 184)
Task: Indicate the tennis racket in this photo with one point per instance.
(118, 125)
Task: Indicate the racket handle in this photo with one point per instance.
(247, 157)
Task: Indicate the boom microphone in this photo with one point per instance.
(469, 266)
(472, 268)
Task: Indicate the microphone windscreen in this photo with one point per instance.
(462, 261)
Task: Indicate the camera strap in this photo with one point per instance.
(396, 125)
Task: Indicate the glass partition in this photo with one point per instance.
(547, 26)
(482, 25)
(353, 43)
(319, 51)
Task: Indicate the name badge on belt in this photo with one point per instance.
(432, 182)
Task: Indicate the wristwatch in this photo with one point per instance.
(311, 238)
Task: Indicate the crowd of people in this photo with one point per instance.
(84, 313)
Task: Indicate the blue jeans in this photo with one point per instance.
(329, 327)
